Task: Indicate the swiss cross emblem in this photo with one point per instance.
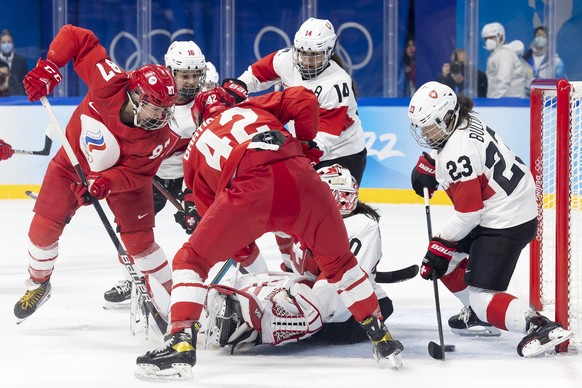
(433, 94)
(411, 109)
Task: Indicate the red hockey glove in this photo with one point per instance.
(236, 88)
(80, 190)
(437, 258)
(99, 186)
(423, 175)
(41, 80)
(312, 151)
(189, 218)
(6, 150)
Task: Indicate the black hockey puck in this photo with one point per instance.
(449, 348)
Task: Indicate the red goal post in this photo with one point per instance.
(556, 165)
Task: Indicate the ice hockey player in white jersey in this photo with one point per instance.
(302, 305)
(188, 66)
(494, 218)
(313, 63)
(212, 77)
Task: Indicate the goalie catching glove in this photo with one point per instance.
(437, 258)
(189, 218)
(423, 175)
(40, 81)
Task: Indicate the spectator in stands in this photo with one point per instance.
(409, 64)
(17, 63)
(453, 74)
(505, 69)
(9, 86)
(537, 57)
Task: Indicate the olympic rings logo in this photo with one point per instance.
(341, 51)
(133, 61)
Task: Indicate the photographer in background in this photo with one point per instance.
(9, 86)
(453, 74)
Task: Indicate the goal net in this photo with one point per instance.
(555, 159)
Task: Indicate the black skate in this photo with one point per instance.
(385, 349)
(466, 323)
(33, 298)
(118, 296)
(173, 360)
(543, 336)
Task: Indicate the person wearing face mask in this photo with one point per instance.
(537, 57)
(9, 86)
(17, 63)
(505, 70)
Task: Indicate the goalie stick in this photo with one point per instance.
(149, 306)
(48, 142)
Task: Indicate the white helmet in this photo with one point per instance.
(494, 29)
(433, 113)
(188, 65)
(313, 47)
(212, 76)
(343, 185)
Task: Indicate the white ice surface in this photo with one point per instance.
(73, 342)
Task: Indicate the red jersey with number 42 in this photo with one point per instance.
(128, 156)
(221, 141)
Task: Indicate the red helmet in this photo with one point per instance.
(210, 102)
(152, 86)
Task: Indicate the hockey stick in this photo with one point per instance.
(436, 351)
(31, 194)
(149, 306)
(400, 275)
(48, 142)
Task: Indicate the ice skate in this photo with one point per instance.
(118, 296)
(543, 336)
(385, 349)
(36, 295)
(466, 323)
(173, 360)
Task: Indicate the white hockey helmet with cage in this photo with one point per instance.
(494, 29)
(343, 185)
(433, 114)
(188, 66)
(212, 76)
(313, 47)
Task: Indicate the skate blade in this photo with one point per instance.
(153, 373)
(393, 361)
(535, 348)
(478, 331)
(125, 305)
(20, 320)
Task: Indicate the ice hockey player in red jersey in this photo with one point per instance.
(494, 218)
(301, 305)
(188, 66)
(250, 176)
(120, 134)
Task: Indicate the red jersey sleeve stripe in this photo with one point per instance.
(334, 121)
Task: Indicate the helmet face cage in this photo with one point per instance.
(188, 66)
(431, 108)
(343, 185)
(152, 92)
(313, 47)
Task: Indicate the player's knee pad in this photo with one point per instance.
(44, 232)
(138, 241)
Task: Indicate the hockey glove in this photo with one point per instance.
(6, 150)
(81, 193)
(236, 88)
(99, 185)
(189, 218)
(41, 80)
(312, 151)
(423, 175)
(437, 258)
